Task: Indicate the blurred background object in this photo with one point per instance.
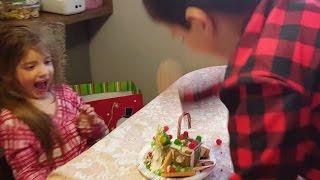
(92, 4)
(19, 9)
(64, 7)
(168, 72)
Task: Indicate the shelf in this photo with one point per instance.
(104, 11)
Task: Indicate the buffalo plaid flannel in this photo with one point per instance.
(23, 150)
(272, 92)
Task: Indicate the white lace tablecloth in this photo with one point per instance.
(115, 156)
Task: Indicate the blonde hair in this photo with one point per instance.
(15, 41)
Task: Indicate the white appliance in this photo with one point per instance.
(65, 7)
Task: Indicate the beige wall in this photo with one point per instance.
(130, 46)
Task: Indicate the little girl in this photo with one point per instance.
(43, 124)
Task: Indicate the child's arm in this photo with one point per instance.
(200, 84)
(268, 125)
(90, 124)
(21, 151)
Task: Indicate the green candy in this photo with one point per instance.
(178, 168)
(148, 166)
(168, 141)
(177, 142)
(163, 140)
(198, 138)
(153, 143)
(158, 172)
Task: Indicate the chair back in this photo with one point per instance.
(5, 170)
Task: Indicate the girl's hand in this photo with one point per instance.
(87, 112)
(91, 123)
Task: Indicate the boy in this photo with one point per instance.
(272, 83)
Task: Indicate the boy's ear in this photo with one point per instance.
(198, 18)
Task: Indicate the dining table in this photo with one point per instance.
(116, 155)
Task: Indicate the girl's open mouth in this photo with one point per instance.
(41, 85)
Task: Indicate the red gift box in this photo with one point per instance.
(114, 101)
(115, 110)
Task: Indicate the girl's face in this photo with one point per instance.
(34, 74)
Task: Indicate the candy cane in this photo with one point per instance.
(179, 122)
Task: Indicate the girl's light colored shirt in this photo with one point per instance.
(23, 150)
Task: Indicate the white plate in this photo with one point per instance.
(148, 174)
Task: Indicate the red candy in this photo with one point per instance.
(193, 145)
(172, 170)
(218, 142)
(170, 136)
(181, 137)
(185, 134)
(165, 128)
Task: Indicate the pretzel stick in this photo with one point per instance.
(200, 168)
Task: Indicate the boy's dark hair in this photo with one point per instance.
(173, 11)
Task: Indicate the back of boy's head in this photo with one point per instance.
(173, 11)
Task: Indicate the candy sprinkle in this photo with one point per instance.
(185, 134)
(218, 142)
(165, 128)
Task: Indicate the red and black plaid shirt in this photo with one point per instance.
(272, 92)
